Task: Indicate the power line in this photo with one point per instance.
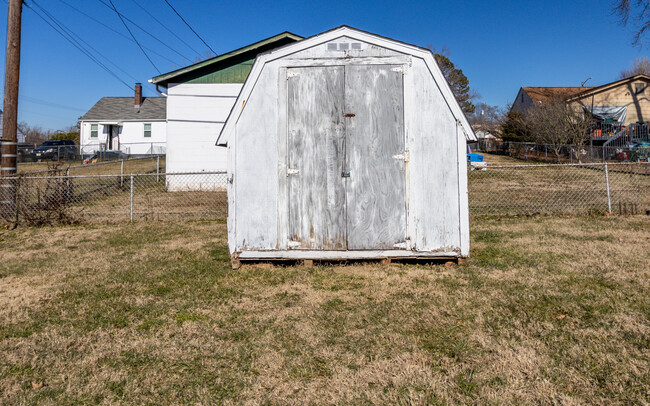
(190, 27)
(77, 45)
(71, 33)
(47, 103)
(136, 41)
(115, 31)
(143, 30)
(166, 28)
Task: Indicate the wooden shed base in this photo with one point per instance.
(309, 258)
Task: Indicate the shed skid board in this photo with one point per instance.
(323, 255)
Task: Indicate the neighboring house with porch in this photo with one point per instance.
(134, 125)
(620, 109)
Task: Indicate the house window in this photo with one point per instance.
(147, 131)
(639, 88)
(94, 130)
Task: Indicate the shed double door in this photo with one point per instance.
(346, 166)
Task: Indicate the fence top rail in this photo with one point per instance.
(95, 164)
(566, 165)
(127, 175)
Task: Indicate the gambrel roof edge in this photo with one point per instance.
(425, 54)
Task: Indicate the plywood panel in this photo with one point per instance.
(376, 187)
(434, 164)
(255, 159)
(345, 47)
(315, 149)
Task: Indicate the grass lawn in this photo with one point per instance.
(548, 310)
(135, 165)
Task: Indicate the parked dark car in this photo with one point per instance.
(55, 150)
(25, 151)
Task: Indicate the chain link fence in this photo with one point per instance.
(57, 198)
(135, 165)
(548, 153)
(71, 153)
(494, 190)
(566, 189)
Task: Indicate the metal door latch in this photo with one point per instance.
(345, 174)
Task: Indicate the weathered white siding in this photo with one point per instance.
(264, 142)
(131, 137)
(195, 115)
(433, 144)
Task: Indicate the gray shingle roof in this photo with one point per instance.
(122, 108)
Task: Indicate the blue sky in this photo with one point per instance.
(500, 45)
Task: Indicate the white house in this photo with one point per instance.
(199, 98)
(347, 145)
(134, 125)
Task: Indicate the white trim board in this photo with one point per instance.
(314, 254)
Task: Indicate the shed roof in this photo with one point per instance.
(344, 30)
(225, 61)
(122, 108)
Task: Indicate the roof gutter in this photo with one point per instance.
(160, 92)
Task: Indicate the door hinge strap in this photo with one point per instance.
(402, 69)
(403, 156)
(291, 74)
(294, 244)
(400, 245)
(292, 171)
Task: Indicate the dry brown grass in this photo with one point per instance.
(547, 310)
(136, 165)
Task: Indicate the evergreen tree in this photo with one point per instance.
(457, 81)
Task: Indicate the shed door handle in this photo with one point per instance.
(345, 174)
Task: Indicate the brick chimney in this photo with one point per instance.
(138, 95)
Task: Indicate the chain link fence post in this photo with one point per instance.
(131, 210)
(158, 169)
(67, 182)
(609, 198)
(122, 173)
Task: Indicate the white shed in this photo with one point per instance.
(347, 145)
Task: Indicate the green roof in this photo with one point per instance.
(231, 67)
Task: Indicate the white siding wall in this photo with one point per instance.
(195, 115)
(131, 137)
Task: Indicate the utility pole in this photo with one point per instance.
(10, 118)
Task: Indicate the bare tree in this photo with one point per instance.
(34, 134)
(640, 66)
(558, 124)
(636, 12)
(487, 118)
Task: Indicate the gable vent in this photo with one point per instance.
(343, 46)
